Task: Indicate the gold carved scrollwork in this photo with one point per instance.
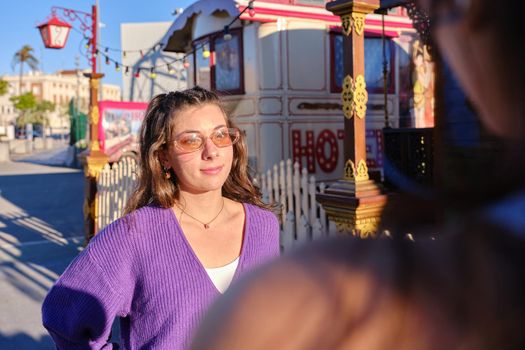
(94, 115)
(94, 165)
(365, 228)
(359, 174)
(360, 96)
(354, 97)
(347, 96)
(346, 22)
(358, 20)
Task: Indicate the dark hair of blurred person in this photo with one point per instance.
(463, 290)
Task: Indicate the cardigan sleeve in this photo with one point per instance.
(80, 308)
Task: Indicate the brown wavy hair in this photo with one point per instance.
(153, 188)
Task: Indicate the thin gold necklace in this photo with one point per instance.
(205, 224)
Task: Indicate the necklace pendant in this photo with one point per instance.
(206, 226)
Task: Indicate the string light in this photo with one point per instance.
(227, 36)
(152, 73)
(205, 52)
(186, 64)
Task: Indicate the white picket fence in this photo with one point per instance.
(114, 186)
(302, 219)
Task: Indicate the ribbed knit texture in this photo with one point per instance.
(142, 268)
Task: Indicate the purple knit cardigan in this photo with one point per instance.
(141, 268)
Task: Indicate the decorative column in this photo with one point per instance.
(354, 202)
(95, 159)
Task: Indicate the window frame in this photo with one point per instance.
(211, 38)
(392, 86)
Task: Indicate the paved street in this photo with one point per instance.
(40, 233)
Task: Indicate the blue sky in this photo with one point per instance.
(18, 19)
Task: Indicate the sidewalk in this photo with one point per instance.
(58, 156)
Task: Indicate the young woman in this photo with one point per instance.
(463, 290)
(194, 224)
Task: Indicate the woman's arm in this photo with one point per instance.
(80, 309)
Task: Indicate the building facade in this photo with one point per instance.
(58, 88)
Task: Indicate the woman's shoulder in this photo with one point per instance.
(138, 221)
(253, 210)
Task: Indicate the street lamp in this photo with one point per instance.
(55, 34)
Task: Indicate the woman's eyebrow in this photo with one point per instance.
(198, 131)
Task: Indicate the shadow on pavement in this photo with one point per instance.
(22, 341)
(41, 231)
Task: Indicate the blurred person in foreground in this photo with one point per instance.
(463, 290)
(193, 225)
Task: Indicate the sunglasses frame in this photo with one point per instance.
(231, 131)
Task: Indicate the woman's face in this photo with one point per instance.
(206, 169)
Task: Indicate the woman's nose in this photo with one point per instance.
(210, 150)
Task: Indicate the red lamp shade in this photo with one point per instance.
(54, 33)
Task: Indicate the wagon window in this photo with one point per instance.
(228, 63)
(223, 69)
(373, 63)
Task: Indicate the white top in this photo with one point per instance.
(222, 276)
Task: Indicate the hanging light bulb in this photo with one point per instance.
(106, 50)
(117, 67)
(107, 59)
(205, 52)
(227, 36)
(126, 71)
(124, 54)
(170, 69)
(152, 73)
(88, 43)
(96, 53)
(137, 73)
(141, 53)
(186, 64)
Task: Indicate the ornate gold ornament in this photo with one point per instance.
(354, 97)
(94, 115)
(358, 21)
(360, 96)
(94, 165)
(365, 228)
(346, 23)
(359, 174)
(347, 96)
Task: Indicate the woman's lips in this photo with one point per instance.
(212, 171)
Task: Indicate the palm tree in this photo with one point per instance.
(24, 55)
